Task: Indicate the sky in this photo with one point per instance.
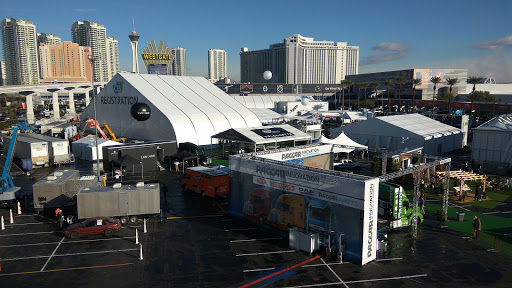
(391, 35)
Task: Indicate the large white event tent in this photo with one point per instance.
(403, 132)
(85, 148)
(492, 141)
(348, 144)
(183, 109)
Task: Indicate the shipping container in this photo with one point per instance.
(128, 202)
(58, 148)
(148, 153)
(212, 182)
(56, 190)
(29, 148)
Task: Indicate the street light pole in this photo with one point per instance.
(92, 59)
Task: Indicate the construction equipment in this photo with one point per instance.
(112, 135)
(94, 124)
(8, 190)
(90, 123)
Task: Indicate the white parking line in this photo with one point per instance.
(240, 229)
(71, 254)
(337, 276)
(21, 234)
(386, 279)
(458, 206)
(389, 259)
(359, 281)
(253, 240)
(67, 242)
(258, 270)
(97, 252)
(44, 266)
(316, 265)
(36, 223)
(304, 266)
(265, 253)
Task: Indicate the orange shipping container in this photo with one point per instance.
(212, 182)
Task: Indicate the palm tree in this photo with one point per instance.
(451, 82)
(347, 84)
(375, 86)
(434, 80)
(415, 82)
(388, 84)
(473, 80)
(364, 86)
(399, 81)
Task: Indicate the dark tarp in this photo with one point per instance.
(183, 157)
(128, 164)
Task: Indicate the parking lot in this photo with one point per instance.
(198, 245)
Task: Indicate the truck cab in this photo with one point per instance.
(321, 219)
(257, 207)
(289, 212)
(395, 206)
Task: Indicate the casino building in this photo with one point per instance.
(158, 60)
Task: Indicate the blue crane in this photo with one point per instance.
(7, 189)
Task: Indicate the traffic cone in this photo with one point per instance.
(3, 225)
(140, 256)
(136, 236)
(10, 213)
(145, 230)
(19, 208)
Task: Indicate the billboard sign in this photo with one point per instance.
(155, 56)
(158, 69)
(260, 190)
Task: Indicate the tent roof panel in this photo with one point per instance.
(254, 134)
(499, 123)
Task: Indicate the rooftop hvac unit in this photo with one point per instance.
(58, 174)
(117, 186)
(139, 184)
(51, 178)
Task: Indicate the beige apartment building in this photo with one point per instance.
(66, 62)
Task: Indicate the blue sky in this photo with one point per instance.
(476, 35)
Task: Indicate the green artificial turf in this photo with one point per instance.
(495, 229)
(217, 162)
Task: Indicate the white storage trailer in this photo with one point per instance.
(58, 148)
(128, 202)
(29, 148)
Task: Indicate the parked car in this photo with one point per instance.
(347, 165)
(94, 226)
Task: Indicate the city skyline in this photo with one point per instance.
(391, 36)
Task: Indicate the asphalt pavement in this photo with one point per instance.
(197, 245)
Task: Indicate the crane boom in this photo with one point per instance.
(7, 189)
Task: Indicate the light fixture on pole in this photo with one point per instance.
(96, 122)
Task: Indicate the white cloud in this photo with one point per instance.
(505, 42)
(392, 46)
(391, 51)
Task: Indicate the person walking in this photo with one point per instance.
(422, 203)
(164, 190)
(477, 226)
(177, 165)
